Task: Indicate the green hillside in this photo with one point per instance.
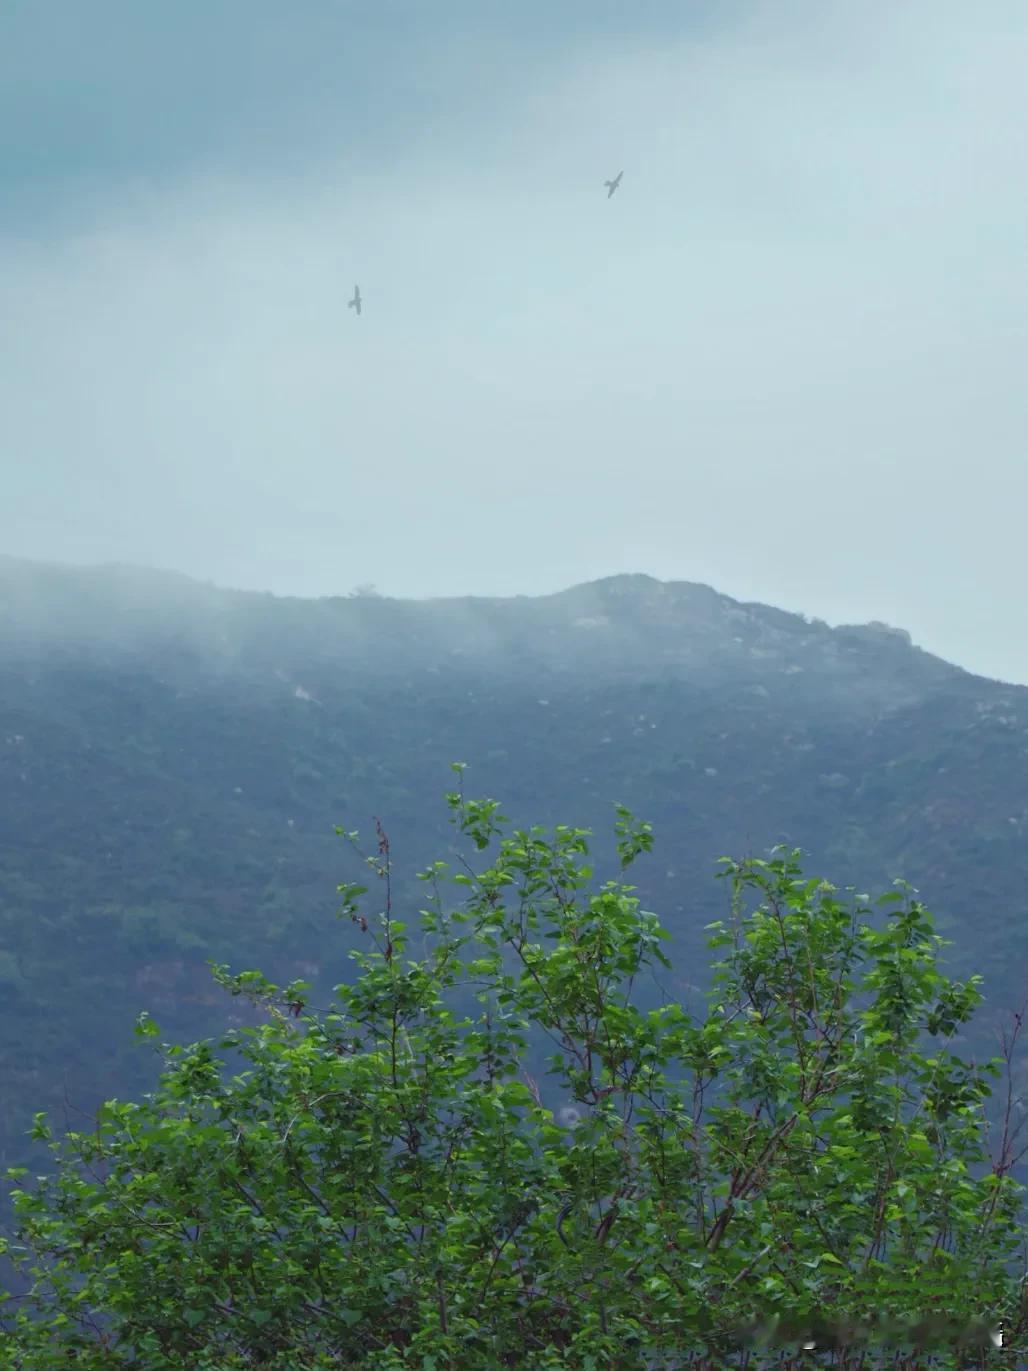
(174, 758)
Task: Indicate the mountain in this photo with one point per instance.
(174, 758)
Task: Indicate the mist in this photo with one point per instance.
(784, 360)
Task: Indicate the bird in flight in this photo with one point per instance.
(355, 303)
(613, 185)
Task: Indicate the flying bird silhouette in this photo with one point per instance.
(613, 185)
(355, 303)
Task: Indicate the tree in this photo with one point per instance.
(381, 1184)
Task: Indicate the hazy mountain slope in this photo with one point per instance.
(173, 759)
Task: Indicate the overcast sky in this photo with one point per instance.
(787, 359)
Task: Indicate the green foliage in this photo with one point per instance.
(378, 1182)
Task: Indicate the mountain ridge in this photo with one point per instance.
(170, 779)
(28, 612)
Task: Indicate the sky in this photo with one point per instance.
(786, 359)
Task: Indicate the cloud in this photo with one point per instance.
(785, 359)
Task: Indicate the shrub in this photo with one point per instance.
(381, 1184)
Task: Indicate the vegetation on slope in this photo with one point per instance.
(172, 755)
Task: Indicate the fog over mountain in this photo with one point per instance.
(174, 757)
(785, 359)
